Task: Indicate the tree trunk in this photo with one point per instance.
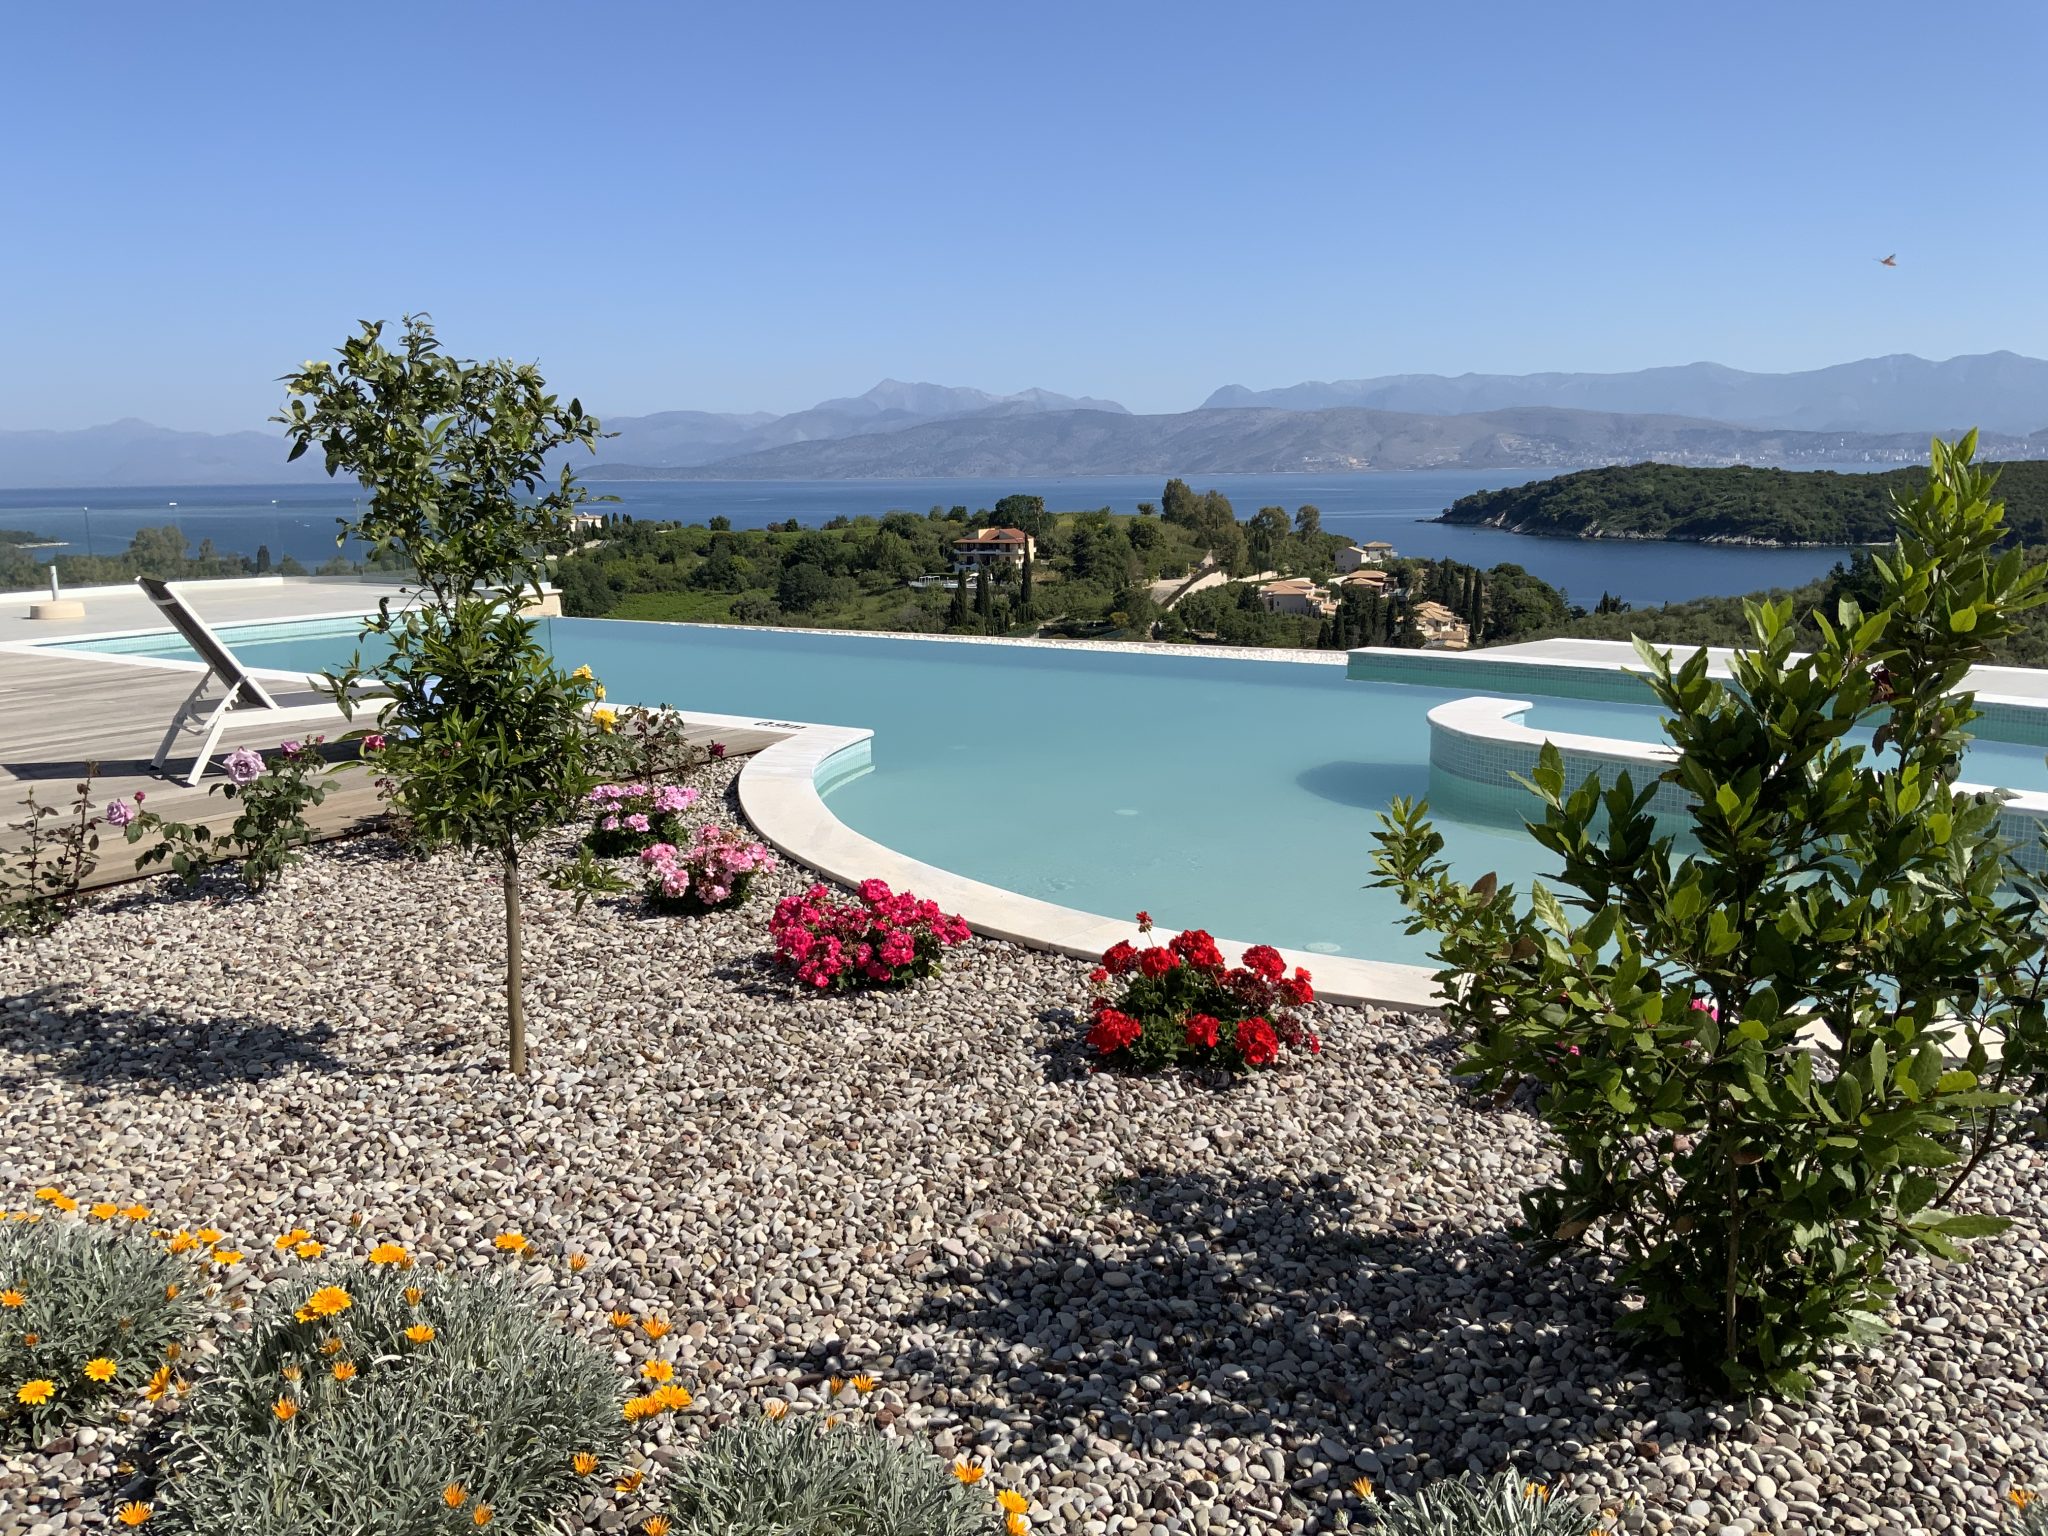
(515, 986)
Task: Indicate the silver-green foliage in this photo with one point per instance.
(764, 1478)
(496, 1403)
(1505, 1505)
(87, 1292)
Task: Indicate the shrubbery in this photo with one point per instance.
(275, 794)
(885, 938)
(716, 870)
(634, 817)
(383, 1399)
(1504, 1505)
(782, 1477)
(91, 1311)
(1181, 1003)
(1768, 1063)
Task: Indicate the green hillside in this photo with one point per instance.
(1764, 506)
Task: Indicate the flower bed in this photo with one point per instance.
(716, 870)
(885, 938)
(1181, 1003)
(632, 818)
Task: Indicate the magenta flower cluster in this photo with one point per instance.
(716, 870)
(884, 937)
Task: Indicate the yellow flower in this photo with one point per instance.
(420, 1333)
(309, 1250)
(12, 1299)
(454, 1496)
(1016, 1524)
(132, 1513)
(584, 1463)
(1362, 1486)
(622, 1319)
(629, 1482)
(655, 1525)
(307, 1315)
(104, 1210)
(966, 1471)
(1013, 1501)
(577, 1261)
(100, 1368)
(509, 1242)
(227, 1257)
(296, 1235)
(412, 1295)
(638, 1408)
(50, 1193)
(597, 692)
(2021, 1497)
(775, 1408)
(605, 718)
(285, 1409)
(832, 1420)
(329, 1301)
(669, 1395)
(292, 1372)
(64, 1203)
(171, 1291)
(36, 1393)
(172, 1351)
(481, 1515)
(159, 1384)
(863, 1384)
(31, 1339)
(1536, 1491)
(658, 1370)
(209, 1235)
(182, 1242)
(654, 1327)
(136, 1213)
(582, 674)
(344, 1370)
(835, 1386)
(331, 1347)
(390, 1253)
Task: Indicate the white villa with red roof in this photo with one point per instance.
(987, 547)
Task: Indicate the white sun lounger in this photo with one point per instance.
(245, 696)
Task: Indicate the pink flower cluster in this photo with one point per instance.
(714, 871)
(634, 817)
(886, 936)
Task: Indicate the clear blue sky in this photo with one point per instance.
(754, 207)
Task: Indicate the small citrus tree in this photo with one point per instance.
(484, 734)
(1770, 1062)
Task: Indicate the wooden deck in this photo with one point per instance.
(59, 713)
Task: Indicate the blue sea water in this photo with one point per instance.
(300, 520)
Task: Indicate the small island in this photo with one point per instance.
(1772, 507)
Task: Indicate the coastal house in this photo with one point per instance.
(1296, 594)
(986, 547)
(1370, 579)
(586, 522)
(1440, 628)
(1354, 556)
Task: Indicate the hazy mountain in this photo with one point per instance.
(133, 452)
(1998, 391)
(1266, 441)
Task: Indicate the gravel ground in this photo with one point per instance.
(1157, 1306)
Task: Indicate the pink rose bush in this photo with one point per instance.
(716, 870)
(632, 818)
(884, 938)
(1181, 1002)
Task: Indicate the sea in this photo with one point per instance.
(302, 520)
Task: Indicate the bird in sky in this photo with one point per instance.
(1888, 261)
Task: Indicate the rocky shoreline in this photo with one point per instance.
(1159, 1306)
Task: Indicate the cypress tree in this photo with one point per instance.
(983, 604)
(956, 611)
(1024, 593)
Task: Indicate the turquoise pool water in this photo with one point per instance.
(2009, 765)
(1239, 796)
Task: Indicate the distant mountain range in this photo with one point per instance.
(1997, 391)
(1878, 411)
(1265, 441)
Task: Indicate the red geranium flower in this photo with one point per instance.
(1198, 949)
(1157, 962)
(1264, 960)
(1144, 922)
(1112, 1031)
(1295, 990)
(1119, 958)
(1257, 1043)
(1202, 1031)
(1098, 976)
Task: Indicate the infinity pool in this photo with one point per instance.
(1236, 795)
